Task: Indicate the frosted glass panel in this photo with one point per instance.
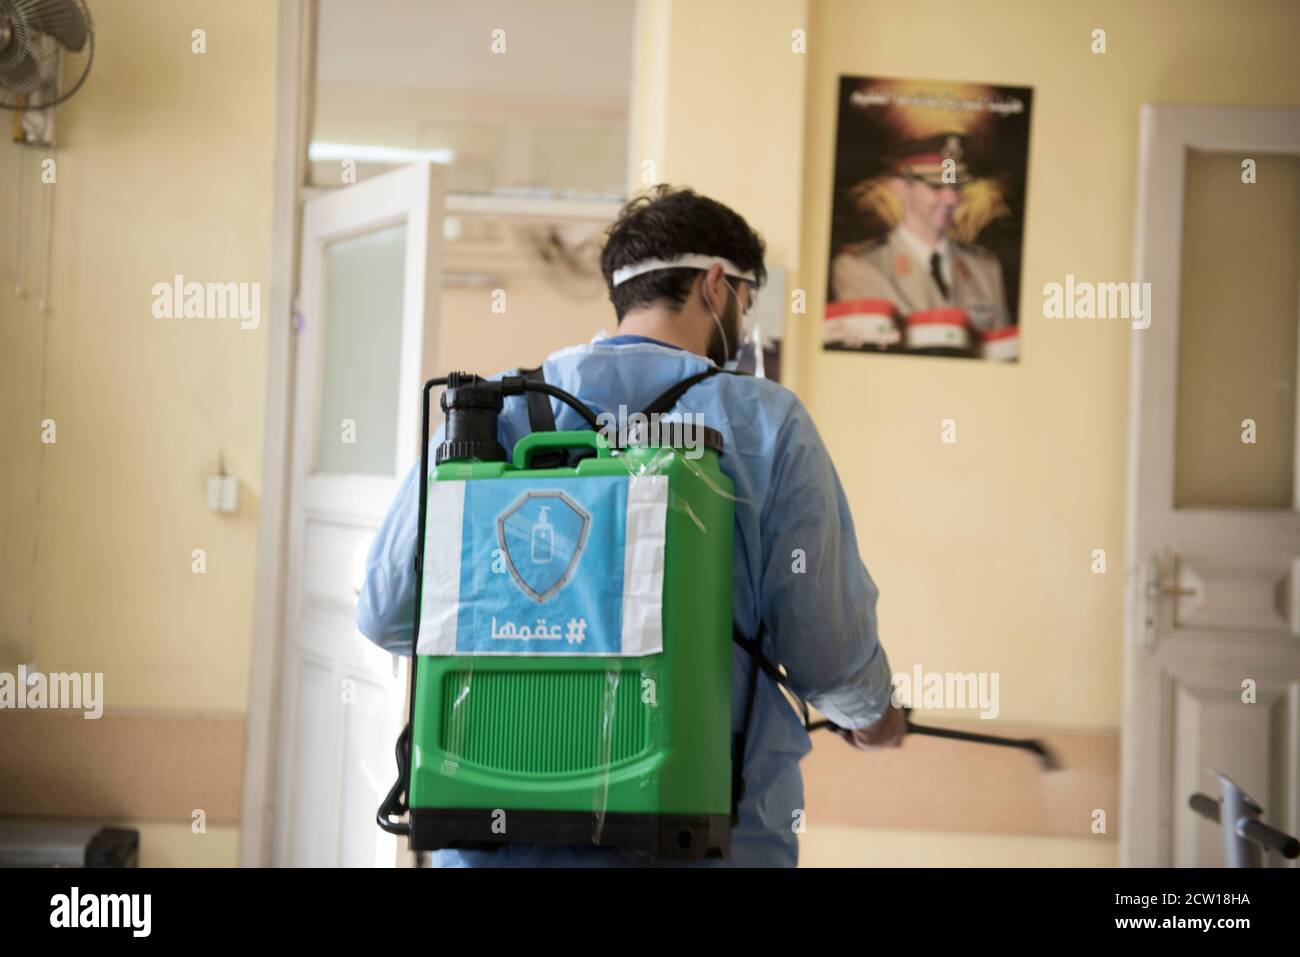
(363, 298)
(1239, 305)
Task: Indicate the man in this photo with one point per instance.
(915, 267)
(681, 269)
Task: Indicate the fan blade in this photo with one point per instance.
(21, 74)
(61, 19)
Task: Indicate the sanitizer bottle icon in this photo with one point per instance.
(543, 539)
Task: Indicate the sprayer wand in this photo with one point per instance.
(1045, 755)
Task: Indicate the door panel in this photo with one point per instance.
(1212, 654)
(370, 276)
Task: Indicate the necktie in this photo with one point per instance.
(937, 273)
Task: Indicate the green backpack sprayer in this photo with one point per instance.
(571, 674)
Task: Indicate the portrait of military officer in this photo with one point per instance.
(917, 267)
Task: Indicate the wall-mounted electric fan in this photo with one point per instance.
(46, 47)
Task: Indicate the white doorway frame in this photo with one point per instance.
(294, 65)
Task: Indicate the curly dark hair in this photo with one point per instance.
(665, 222)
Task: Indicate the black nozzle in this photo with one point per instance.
(471, 407)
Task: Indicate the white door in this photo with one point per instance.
(368, 309)
(1212, 656)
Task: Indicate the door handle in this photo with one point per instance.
(1158, 591)
(1153, 590)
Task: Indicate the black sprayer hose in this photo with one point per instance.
(567, 398)
(395, 802)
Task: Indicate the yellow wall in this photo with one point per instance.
(982, 549)
(164, 167)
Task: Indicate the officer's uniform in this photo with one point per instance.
(890, 268)
(899, 274)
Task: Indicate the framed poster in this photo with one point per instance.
(927, 218)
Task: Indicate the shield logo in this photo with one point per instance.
(542, 536)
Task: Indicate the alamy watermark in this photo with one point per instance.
(941, 690)
(35, 690)
(129, 911)
(681, 431)
(1075, 299)
(179, 299)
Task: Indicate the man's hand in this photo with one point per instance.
(888, 732)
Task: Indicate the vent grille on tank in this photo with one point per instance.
(535, 722)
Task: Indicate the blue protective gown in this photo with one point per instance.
(819, 619)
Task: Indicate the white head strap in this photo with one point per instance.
(686, 261)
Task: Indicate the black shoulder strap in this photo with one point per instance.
(669, 399)
(540, 416)
(755, 650)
